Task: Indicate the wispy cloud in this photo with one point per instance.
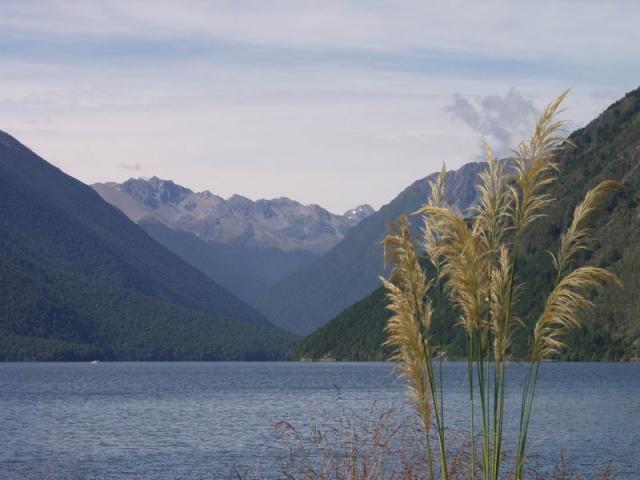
(136, 167)
(507, 30)
(290, 97)
(502, 120)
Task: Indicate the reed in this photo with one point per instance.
(477, 259)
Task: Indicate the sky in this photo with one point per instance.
(333, 103)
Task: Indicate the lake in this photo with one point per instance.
(198, 420)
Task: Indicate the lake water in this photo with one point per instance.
(197, 420)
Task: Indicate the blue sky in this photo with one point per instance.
(335, 103)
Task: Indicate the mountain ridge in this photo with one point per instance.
(606, 148)
(77, 273)
(280, 223)
(247, 246)
(310, 297)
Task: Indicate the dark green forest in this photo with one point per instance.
(607, 148)
(78, 280)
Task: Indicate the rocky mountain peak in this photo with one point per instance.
(279, 223)
(155, 191)
(359, 213)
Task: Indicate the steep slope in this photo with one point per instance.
(244, 245)
(609, 147)
(79, 279)
(356, 334)
(309, 298)
(245, 271)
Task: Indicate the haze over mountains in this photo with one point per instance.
(245, 245)
(80, 280)
(312, 296)
(299, 265)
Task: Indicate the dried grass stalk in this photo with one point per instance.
(408, 326)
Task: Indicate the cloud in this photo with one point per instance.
(136, 167)
(606, 94)
(38, 121)
(258, 99)
(508, 30)
(502, 120)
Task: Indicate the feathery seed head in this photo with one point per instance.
(430, 237)
(577, 236)
(564, 304)
(569, 297)
(409, 324)
(535, 166)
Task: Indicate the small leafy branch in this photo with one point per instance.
(477, 261)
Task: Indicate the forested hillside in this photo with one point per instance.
(79, 280)
(607, 148)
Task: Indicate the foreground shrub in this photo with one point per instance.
(386, 444)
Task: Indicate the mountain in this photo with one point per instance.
(280, 223)
(607, 148)
(247, 246)
(312, 296)
(245, 271)
(356, 334)
(356, 215)
(80, 280)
